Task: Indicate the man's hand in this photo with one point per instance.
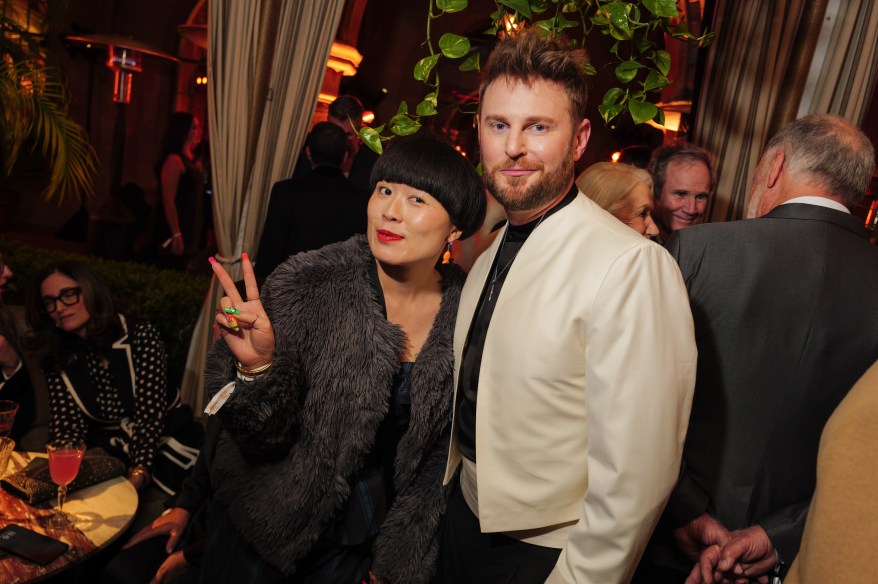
(170, 568)
(748, 554)
(171, 524)
(698, 534)
(704, 569)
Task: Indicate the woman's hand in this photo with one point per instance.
(170, 568)
(171, 524)
(243, 323)
(138, 480)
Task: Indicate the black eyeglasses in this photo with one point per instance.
(67, 296)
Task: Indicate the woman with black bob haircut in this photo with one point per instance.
(106, 373)
(334, 384)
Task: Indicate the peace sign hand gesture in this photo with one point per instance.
(243, 324)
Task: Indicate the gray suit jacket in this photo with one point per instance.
(785, 321)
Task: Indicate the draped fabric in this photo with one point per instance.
(774, 61)
(266, 61)
(744, 80)
(845, 69)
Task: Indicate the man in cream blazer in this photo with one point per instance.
(574, 354)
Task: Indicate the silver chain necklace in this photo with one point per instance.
(499, 273)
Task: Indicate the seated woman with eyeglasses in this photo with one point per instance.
(106, 373)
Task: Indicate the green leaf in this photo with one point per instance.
(424, 66)
(681, 32)
(615, 49)
(402, 125)
(403, 108)
(453, 46)
(617, 14)
(589, 69)
(520, 6)
(613, 96)
(431, 97)
(641, 111)
(563, 23)
(627, 70)
(610, 112)
(372, 139)
(449, 6)
(547, 25)
(662, 61)
(706, 40)
(471, 63)
(426, 108)
(538, 6)
(663, 8)
(600, 19)
(642, 43)
(655, 80)
(571, 6)
(659, 117)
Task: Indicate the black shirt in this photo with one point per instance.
(468, 381)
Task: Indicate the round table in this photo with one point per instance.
(101, 513)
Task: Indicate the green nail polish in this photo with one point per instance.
(231, 310)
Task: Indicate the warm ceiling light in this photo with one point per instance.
(344, 59)
(615, 157)
(368, 117)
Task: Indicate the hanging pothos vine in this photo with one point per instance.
(641, 68)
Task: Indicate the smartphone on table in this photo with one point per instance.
(30, 545)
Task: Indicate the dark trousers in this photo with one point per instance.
(648, 574)
(468, 556)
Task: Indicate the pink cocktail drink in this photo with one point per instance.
(64, 465)
(64, 459)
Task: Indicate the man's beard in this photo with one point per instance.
(515, 197)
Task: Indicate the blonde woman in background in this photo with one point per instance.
(623, 190)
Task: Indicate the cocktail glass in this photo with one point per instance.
(8, 409)
(65, 457)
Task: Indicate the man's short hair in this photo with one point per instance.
(678, 152)
(528, 56)
(830, 151)
(347, 107)
(327, 144)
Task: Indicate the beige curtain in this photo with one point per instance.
(266, 60)
(774, 61)
(743, 84)
(845, 68)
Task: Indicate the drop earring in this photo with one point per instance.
(446, 257)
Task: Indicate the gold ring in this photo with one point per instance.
(252, 299)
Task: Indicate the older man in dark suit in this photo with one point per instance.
(785, 323)
(319, 208)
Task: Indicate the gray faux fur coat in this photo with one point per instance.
(296, 435)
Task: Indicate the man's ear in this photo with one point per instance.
(778, 166)
(580, 138)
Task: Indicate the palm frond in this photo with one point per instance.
(34, 111)
(62, 141)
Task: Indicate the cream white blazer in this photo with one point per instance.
(585, 388)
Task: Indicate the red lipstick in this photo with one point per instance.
(388, 236)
